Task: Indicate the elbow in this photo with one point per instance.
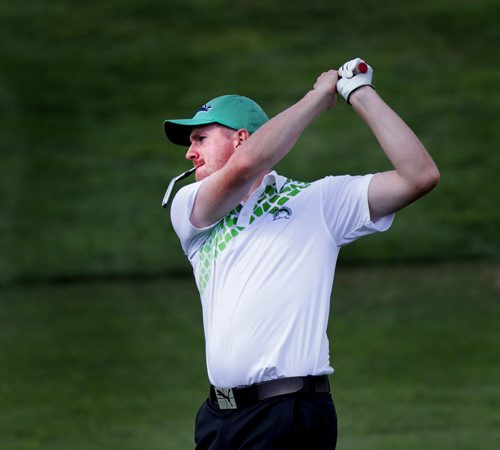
(428, 180)
(433, 177)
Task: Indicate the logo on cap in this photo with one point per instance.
(205, 108)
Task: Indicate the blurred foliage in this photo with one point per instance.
(85, 87)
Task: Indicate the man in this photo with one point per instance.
(264, 248)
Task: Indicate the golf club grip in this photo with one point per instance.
(361, 67)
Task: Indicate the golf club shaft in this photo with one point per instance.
(170, 187)
(185, 174)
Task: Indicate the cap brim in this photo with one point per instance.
(178, 131)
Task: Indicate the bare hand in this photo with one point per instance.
(326, 84)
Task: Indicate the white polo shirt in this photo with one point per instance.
(265, 274)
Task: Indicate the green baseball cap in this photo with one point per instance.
(233, 111)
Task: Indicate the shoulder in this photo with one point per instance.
(180, 213)
(338, 186)
(338, 181)
(183, 200)
(328, 187)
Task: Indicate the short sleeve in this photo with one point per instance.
(191, 238)
(345, 208)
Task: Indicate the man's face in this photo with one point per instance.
(211, 147)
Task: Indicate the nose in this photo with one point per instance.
(191, 154)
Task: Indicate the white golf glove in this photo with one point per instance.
(350, 79)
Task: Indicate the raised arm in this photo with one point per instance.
(415, 172)
(221, 191)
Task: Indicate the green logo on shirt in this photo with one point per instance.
(226, 230)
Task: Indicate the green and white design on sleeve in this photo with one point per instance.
(226, 230)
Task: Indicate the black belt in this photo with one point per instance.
(235, 398)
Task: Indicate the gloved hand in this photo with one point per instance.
(351, 80)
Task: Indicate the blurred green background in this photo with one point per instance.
(99, 317)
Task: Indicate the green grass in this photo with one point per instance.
(120, 365)
(105, 366)
(414, 350)
(84, 89)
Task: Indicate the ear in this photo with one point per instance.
(240, 136)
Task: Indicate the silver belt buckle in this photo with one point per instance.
(225, 398)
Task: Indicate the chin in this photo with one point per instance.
(202, 172)
(200, 175)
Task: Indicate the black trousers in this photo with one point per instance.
(299, 421)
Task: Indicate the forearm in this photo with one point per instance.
(403, 148)
(258, 153)
(272, 142)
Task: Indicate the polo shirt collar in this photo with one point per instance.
(247, 207)
(274, 178)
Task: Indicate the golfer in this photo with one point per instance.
(264, 248)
